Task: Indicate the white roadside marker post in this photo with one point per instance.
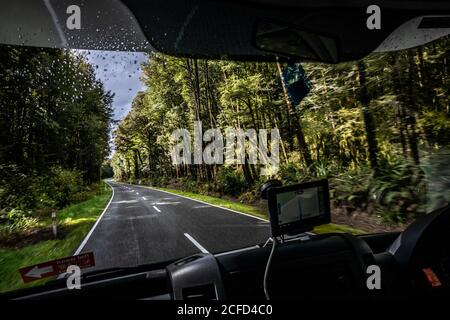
(55, 230)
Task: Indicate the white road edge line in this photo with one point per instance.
(96, 223)
(156, 208)
(85, 240)
(198, 245)
(209, 204)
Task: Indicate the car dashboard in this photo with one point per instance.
(413, 264)
(330, 266)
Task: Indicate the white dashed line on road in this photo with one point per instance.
(165, 203)
(156, 208)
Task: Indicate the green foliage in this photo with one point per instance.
(15, 220)
(16, 188)
(367, 126)
(56, 189)
(65, 186)
(52, 111)
(230, 181)
(55, 118)
(398, 192)
(350, 188)
(293, 172)
(106, 171)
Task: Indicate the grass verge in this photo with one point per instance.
(78, 218)
(248, 209)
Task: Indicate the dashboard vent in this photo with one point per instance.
(200, 293)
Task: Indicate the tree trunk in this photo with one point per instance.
(303, 147)
(367, 117)
(413, 138)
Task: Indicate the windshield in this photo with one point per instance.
(142, 157)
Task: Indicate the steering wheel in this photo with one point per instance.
(422, 253)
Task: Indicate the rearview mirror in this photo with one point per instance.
(289, 41)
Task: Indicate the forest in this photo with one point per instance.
(55, 120)
(377, 128)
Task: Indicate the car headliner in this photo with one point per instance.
(220, 29)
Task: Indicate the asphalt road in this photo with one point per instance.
(143, 226)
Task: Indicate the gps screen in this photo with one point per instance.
(300, 207)
(300, 204)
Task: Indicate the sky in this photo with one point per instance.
(120, 73)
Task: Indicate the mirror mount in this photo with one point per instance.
(267, 185)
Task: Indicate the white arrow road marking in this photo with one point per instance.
(125, 201)
(37, 272)
(198, 245)
(156, 208)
